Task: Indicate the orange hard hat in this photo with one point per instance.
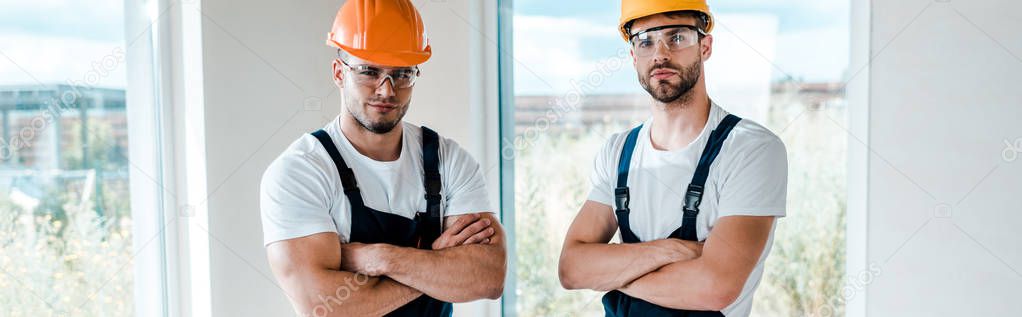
(384, 32)
(634, 9)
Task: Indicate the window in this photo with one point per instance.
(67, 226)
(574, 85)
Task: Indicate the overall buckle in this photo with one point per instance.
(621, 198)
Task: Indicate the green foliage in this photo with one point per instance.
(78, 267)
(71, 255)
(805, 270)
(552, 181)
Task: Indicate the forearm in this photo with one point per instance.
(337, 293)
(457, 274)
(690, 285)
(604, 267)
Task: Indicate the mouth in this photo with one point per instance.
(662, 73)
(382, 107)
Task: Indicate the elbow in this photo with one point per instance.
(494, 289)
(304, 301)
(720, 298)
(308, 300)
(483, 291)
(494, 292)
(571, 277)
(717, 293)
(723, 289)
(711, 300)
(291, 280)
(489, 287)
(566, 273)
(308, 296)
(569, 282)
(567, 279)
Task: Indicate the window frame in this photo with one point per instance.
(144, 115)
(506, 135)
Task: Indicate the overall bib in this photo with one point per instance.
(618, 304)
(373, 226)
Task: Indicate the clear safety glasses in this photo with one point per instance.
(372, 76)
(674, 38)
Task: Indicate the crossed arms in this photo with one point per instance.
(321, 275)
(671, 273)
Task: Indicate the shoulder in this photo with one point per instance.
(416, 132)
(749, 137)
(302, 159)
(451, 153)
(615, 143)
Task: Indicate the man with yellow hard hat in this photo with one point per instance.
(371, 215)
(694, 190)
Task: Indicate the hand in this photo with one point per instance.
(681, 250)
(467, 229)
(363, 258)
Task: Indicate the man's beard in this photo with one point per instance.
(665, 92)
(381, 126)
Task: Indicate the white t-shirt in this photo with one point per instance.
(748, 177)
(301, 191)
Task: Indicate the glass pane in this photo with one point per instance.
(575, 85)
(65, 222)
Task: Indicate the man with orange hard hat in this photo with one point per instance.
(371, 215)
(694, 191)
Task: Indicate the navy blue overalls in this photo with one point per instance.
(618, 304)
(373, 226)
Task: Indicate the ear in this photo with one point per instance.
(635, 62)
(706, 47)
(338, 74)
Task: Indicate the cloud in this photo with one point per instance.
(816, 55)
(53, 59)
(550, 52)
(94, 19)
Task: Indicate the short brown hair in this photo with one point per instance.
(701, 19)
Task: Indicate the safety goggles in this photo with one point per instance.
(674, 37)
(372, 76)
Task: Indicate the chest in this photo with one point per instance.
(658, 184)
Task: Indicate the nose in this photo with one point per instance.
(386, 88)
(661, 53)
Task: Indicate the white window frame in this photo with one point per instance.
(146, 176)
(164, 97)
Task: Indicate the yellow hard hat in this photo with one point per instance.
(385, 32)
(634, 9)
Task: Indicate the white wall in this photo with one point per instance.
(930, 113)
(266, 80)
(941, 211)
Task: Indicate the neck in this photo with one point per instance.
(677, 123)
(380, 147)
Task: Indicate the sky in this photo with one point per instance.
(54, 41)
(555, 42)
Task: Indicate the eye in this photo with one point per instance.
(403, 74)
(643, 43)
(371, 73)
(678, 38)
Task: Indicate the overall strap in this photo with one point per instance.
(428, 224)
(431, 169)
(621, 195)
(348, 182)
(694, 194)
